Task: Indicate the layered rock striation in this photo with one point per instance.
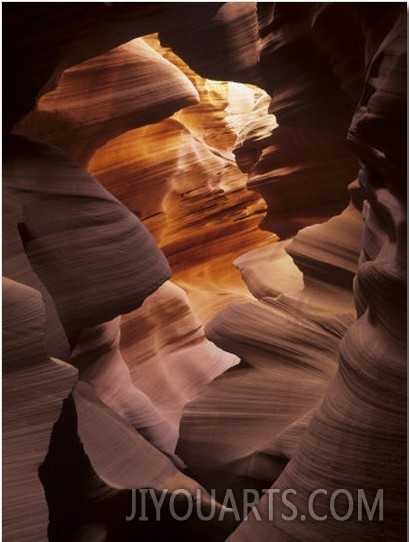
(345, 445)
(34, 387)
(110, 381)
(289, 350)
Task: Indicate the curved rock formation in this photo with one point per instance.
(121, 96)
(84, 31)
(172, 360)
(318, 401)
(313, 165)
(289, 346)
(370, 384)
(96, 348)
(34, 387)
(44, 217)
(42, 212)
(198, 196)
(53, 214)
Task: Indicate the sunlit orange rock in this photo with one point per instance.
(198, 207)
(198, 197)
(319, 398)
(108, 95)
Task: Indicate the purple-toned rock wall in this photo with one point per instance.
(204, 271)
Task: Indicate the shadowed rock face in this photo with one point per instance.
(34, 388)
(53, 213)
(346, 445)
(314, 165)
(84, 30)
(298, 380)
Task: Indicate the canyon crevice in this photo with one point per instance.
(204, 270)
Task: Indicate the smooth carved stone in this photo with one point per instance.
(107, 95)
(370, 386)
(195, 181)
(198, 198)
(302, 174)
(223, 108)
(214, 285)
(256, 270)
(119, 455)
(161, 338)
(17, 267)
(41, 41)
(172, 360)
(289, 350)
(300, 79)
(198, 207)
(96, 354)
(123, 459)
(272, 363)
(292, 50)
(153, 418)
(185, 169)
(34, 387)
(378, 129)
(107, 270)
(140, 426)
(254, 135)
(357, 437)
(328, 253)
(128, 417)
(221, 45)
(85, 507)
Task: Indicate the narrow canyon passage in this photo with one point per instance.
(204, 271)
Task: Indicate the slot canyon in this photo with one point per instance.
(204, 272)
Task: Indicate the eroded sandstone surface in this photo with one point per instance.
(204, 260)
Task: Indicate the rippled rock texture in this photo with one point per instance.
(346, 445)
(289, 350)
(35, 386)
(198, 207)
(126, 166)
